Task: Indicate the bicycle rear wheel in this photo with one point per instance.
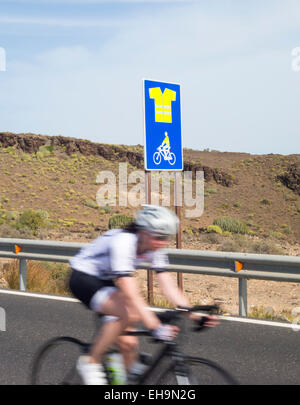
(157, 158)
(55, 362)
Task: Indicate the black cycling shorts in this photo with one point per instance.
(85, 287)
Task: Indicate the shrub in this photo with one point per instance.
(106, 209)
(44, 214)
(90, 204)
(276, 235)
(214, 229)
(287, 230)
(242, 245)
(9, 149)
(211, 191)
(30, 219)
(213, 238)
(12, 215)
(232, 245)
(189, 231)
(119, 221)
(8, 231)
(227, 234)
(231, 225)
(263, 247)
(265, 202)
(44, 151)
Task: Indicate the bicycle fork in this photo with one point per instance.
(180, 369)
(178, 365)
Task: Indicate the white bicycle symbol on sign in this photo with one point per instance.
(164, 151)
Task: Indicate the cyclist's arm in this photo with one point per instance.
(175, 295)
(128, 285)
(171, 291)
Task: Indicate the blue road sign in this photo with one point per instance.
(162, 115)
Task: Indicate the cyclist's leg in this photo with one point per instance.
(105, 298)
(114, 305)
(128, 347)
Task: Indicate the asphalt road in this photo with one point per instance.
(253, 353)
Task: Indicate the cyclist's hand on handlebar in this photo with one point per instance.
(209, 321)
(165, 332)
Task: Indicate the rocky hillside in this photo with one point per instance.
(57, 175)
(30, 143)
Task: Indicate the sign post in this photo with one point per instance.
(178, 194)
(163, 149)
(149, 272)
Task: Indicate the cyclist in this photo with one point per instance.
(166, 145)
(101, 279)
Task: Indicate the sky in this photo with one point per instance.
(76, 67)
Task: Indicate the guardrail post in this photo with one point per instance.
(243, 311)
(22, 274)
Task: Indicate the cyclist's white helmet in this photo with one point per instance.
(157, 220)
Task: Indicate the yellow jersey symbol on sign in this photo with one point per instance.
(163, 103)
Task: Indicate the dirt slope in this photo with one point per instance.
(262, 191)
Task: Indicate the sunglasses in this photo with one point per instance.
(160, 237)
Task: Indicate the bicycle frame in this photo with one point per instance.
(164, 153)
(177, 363)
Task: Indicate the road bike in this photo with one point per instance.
(55, 361)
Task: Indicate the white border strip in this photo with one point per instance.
(295, 327)
(261, 322)
(37, 295)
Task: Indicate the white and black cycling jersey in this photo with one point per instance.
(114, 254)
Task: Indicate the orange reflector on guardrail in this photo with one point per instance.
(18, 249)
(238, 266)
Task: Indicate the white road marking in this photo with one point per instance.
(261, 322)
(37, 295)
(225, 318)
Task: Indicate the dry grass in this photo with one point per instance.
(242, 244)
(259, 312)
(42, 277)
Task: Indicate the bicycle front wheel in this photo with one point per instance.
(198, 371)
(55, 362)
(206, 372)
(172, 159)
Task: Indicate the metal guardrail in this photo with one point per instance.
(242, 266)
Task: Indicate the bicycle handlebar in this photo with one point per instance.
(172, 315)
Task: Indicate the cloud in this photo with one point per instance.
(102, 1)
(59, 22)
